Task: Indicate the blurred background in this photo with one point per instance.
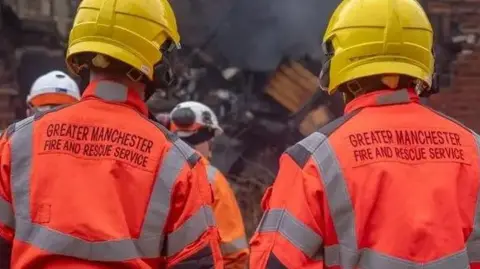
(255, 63)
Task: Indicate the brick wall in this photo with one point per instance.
(8, 86)
(44, 24)
(462, 100)
(457, 28)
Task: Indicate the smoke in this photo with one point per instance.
(255, 34)
(199, 19)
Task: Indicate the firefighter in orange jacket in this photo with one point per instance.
(197, 125)
(97, 184)
(391, 184)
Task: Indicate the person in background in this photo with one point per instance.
(197, 124)
(392, 184)
(97, 184)
(50, 90)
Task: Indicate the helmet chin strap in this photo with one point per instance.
(84, 79)
(150, 89)
(163, 76)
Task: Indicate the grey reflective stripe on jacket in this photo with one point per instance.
(234, 246)
(211, 172)
(346, 254)
(151, 239)
(237, 244)
(293, 230)
(473, 242)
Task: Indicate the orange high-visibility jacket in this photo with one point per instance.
(98, 185)
(229, 220)
(391, 185)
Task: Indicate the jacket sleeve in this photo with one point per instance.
(7, 221)
(192, 237)
(290, 234)
(234, 244)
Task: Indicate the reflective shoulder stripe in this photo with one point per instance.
(303, 150)
(301, 155)
(211, 172)
(393, 98)
(148, 245)
(473, 242)
(190, 231)
(448, 118)
(29, 120)
(21, 151)
(10, 130)
(7, 216)
(111, 91)
(234, 246)
(169, 135)
(187, 152)
(159, 204)
(340, 205)
(293, 230)
(334, 125)
(21, 124)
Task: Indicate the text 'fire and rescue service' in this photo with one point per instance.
(407, 146)
(97, 141)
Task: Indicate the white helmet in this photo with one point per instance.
(187, 118)
(53, 88)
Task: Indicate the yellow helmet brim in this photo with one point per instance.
(111, 50)
(380, 68)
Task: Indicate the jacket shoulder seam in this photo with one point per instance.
(444, 116)
(335, 125)
(193, 159)
(19, 125)
(303, 150)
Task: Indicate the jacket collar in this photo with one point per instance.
(115, 92)
(383, 98)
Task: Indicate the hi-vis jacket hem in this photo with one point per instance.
(286, 237)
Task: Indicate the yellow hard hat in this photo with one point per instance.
(373, 37)
(132, 31)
